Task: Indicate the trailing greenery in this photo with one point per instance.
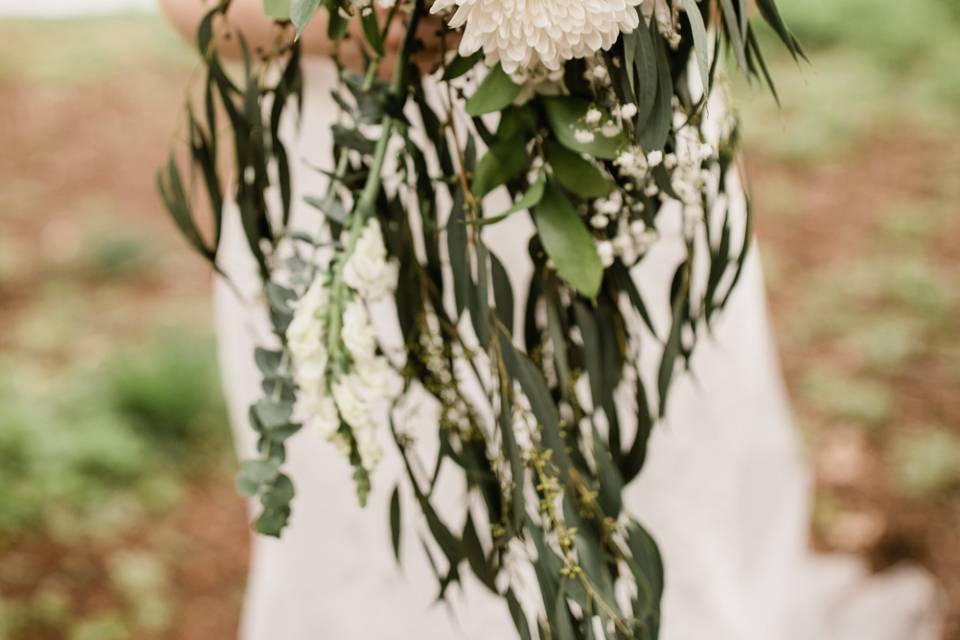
(548, 443)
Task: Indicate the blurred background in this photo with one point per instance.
(109, 400)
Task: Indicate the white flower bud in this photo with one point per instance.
(583, 136)
(599, 221)
(610, 129)
(605, 251)
(628, 111)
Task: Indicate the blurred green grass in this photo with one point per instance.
(111, 415)
(874, 65)
(124, 431)
(81, 50)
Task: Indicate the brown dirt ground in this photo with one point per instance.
(896, 167)
(100, 142)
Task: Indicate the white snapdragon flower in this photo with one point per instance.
(524, 34)
(311, 369)
(367, 271)
(321, 414)
(306, 337)
(369, 449)
(349, 394)
(357, 334)
(304, 332)
(374, 373)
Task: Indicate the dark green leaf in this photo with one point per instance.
(512, 452)
(656, 130)
(576, 175)
(522, 369)
(637, 455)
(560, 621)
(460, 65)
(272, 521)
(371, 31)
(267, 361)
(395, 522)
(611, 482)
(278, 494)
(529, 200)
(645, 66)
(473, 550)
(495, 93)
(671, 349)
(501, 163)
(502, 292)
(519, 618)
(567, 241)
(479, 297)
(457, 249)
(273, 413)
(255, 473)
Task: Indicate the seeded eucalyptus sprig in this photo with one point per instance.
(547, 418)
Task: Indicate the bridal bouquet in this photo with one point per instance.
(599, 121)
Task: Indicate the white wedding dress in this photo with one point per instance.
(725, 491)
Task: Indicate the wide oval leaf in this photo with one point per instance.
(495, 93)
(501, 163)
(575, 174)
(568, 242)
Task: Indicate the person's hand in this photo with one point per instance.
(261, 33)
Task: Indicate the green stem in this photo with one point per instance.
(371, 189)
(368, 197)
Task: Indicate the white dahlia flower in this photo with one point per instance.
(525, 34)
